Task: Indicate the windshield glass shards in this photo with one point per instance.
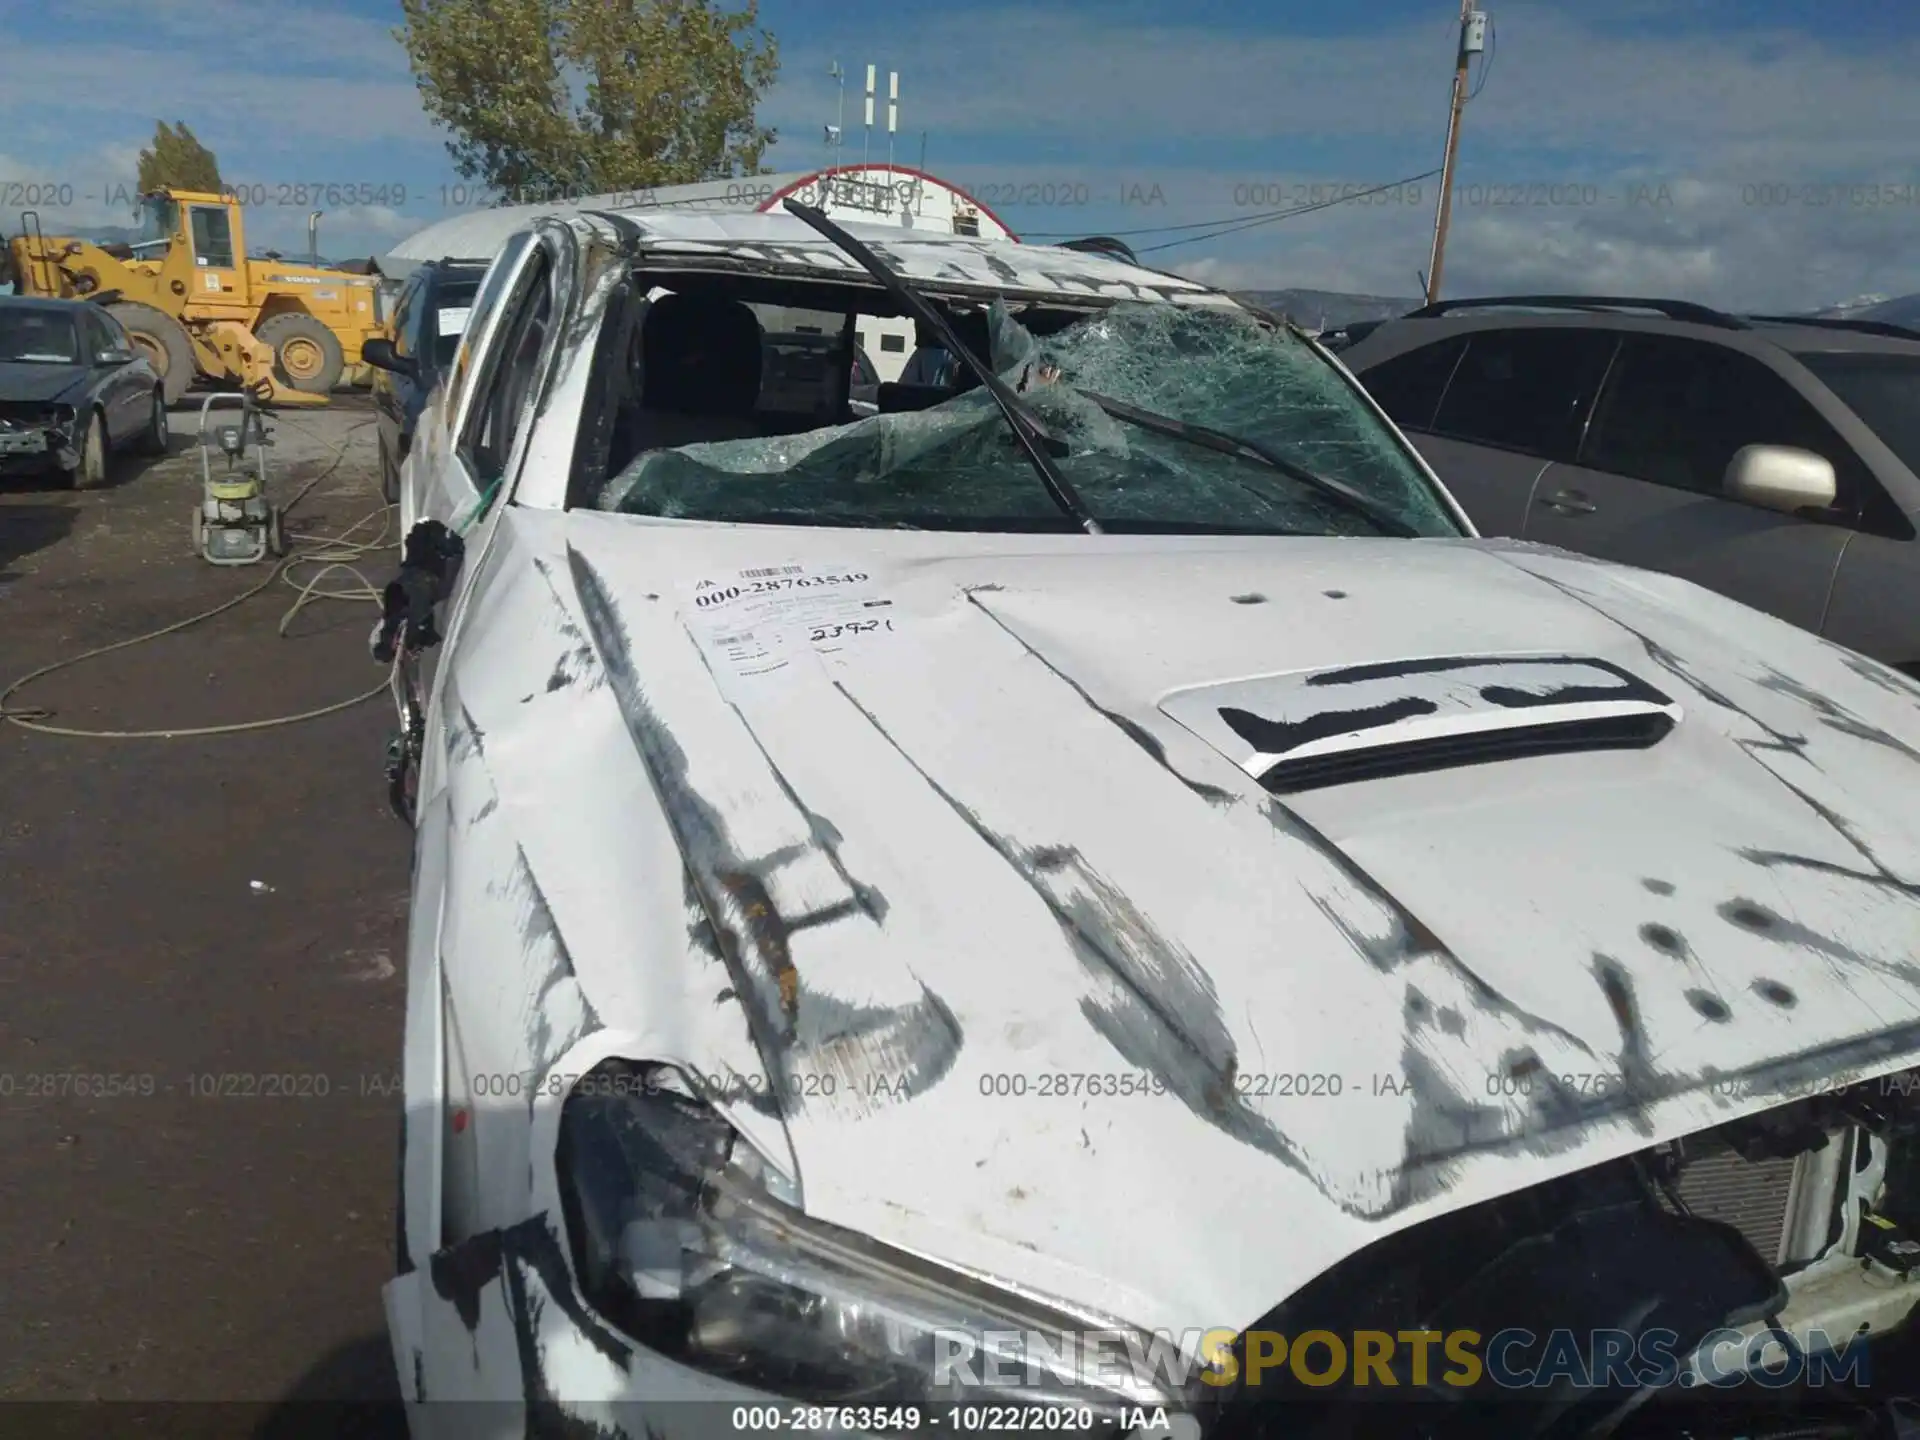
(955, 465)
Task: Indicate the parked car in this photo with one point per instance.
(1776, 460)
(414, 355)
(73, 391)
(1111, 854)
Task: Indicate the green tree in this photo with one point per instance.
(591, 96)
(177, 160)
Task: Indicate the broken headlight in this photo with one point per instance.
(679, 1238)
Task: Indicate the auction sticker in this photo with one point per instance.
(773, 620)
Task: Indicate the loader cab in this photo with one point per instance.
(203, 231)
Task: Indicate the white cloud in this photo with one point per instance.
(1589, 99)
(1559, 81)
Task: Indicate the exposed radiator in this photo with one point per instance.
(1750, 1195)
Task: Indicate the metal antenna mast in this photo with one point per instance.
(866, 146)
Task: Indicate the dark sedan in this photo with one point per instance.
(419, 347)
(72, 391)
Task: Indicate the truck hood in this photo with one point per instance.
(1052, 987)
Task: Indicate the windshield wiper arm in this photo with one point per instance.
(1346, 497)
(1034, 440)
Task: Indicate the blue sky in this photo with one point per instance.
(1724, 150)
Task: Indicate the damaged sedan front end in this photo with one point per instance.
(886, 955)
(36, 434)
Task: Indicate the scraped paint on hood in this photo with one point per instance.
(1030, 959)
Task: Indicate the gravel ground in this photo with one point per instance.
(201, 946)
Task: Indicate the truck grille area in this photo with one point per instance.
(1718, 1183)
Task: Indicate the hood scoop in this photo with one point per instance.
(1364, 722)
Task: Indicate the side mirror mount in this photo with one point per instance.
(1782, 478)
(113, 357)
(379, 352)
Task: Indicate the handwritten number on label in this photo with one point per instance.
(851, 627)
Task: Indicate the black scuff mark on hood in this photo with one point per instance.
(1139, 1036)
(1657, 887)
(578, 661)
(1000, 268)
(1251, 598)
(1874, 673)
(1753, 916)
(460, 1272)
(752, 935)
(534, 1245)
(1835, 717)
(1667, 941)
(1757, 919)
(1410, 939)
(465, 739)
(1168, 1019)
(1774, 993)
(1640, 1083)
(1133, 730)
(867, 899)
(1710, 1006)
(492, 804)
(541, 929)
(1776, 739)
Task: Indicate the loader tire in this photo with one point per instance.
(306, 354)
(162, 341)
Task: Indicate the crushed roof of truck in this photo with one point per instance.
(784, 243)
(780, 242)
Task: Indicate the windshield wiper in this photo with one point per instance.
(1035, 442)
(1346, 497)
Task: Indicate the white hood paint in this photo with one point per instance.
(984, 850)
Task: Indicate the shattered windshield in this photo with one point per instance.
(956, 465)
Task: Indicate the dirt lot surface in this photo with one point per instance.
(201, 947)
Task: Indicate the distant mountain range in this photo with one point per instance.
(1900, 310)
(1327, 309)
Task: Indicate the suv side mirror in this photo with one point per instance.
(114, 357)
(379, 352)
(1780, 477)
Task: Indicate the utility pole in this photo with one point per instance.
(1473, 40)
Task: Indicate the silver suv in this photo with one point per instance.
(1774, 459)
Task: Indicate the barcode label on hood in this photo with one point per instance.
(758, 622)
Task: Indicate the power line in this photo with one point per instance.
(1249, 224)
(1236, 222)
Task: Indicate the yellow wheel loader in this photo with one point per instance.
(195, 304)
